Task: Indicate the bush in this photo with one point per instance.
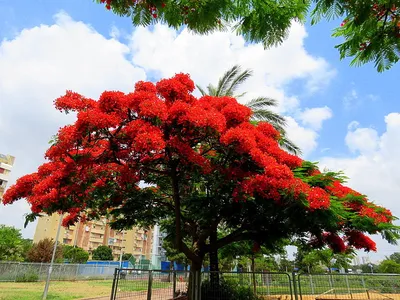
(27, 277)
(227, 290)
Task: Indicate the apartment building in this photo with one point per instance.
(158, 254)
(6, 164)
(92, 234)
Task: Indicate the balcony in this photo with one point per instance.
(97, 230)
(5, 166)
(4, 177)
(96, 239)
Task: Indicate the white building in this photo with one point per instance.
(158, 253)
(6, 164)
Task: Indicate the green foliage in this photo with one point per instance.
(130, 257)
(172, 254)
(311, 260)
(43, 251)
(102, 253)
(265, 21)
(395, 257)
(11, 244)
(27, 245)
(370, 28)
(389, 266)
(75, 255)
(29, 276)
(227, 290)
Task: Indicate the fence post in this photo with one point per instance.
(294, 285)
(348, 287)
(77, 266)
(149, 285)
(311, 284)
(16, 271)
(173, 284)
(114, 284)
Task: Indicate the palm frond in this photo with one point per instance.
(202, 91)
(238, 80)
(289, 146)
(261, 102)
(268, 116)
(212, 90)
(226, 79)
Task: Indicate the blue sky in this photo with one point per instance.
(42, 55)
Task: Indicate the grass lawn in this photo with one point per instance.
(63, 290)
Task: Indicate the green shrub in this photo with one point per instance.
(227, 290)
(27, 277)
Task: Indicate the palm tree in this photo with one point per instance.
(229, 83)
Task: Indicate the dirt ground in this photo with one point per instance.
(165, 294)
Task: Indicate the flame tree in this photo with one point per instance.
(159, 153)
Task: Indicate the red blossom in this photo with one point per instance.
(360, 241)
(335, 242)
(318, 198)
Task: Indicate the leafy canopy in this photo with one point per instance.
(42, 252)
(75, 255)
(370, 28)
(102, 253)
(11, 244)
(206, 166)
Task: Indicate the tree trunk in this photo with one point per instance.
(194, 287)
(214, 270)
(253, 268)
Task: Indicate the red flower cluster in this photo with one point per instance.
(334, 242)
(360, 241)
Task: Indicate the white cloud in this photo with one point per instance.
(376, 170)
(351, 99)
(207, 57)
(314, 117)
(305, 138)
(364, 140)
(38, 66)
(40, 63)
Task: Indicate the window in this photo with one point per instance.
(2, 171)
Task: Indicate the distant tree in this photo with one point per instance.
(102, 253)
(389, 266)
(11, 244)
(285, 265)
(130, 257)
(43, 251)
(27, 245)
(328, 258)
(75, 255)
(252, 252)
(395, 257)
(367, 268)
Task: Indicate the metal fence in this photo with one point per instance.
(26, 272)
(149, 284)
(243, 285)
(349, 286)
(165, 285)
